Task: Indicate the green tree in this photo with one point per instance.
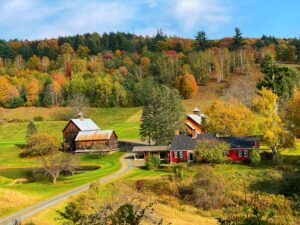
(254, 157)
(238, 40)
(153, 162)
(201, 42)
(31, 130)
(211, 150)
(281, 80)
(25, 51)
(162, 114)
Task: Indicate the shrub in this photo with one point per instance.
(254, 157)
(38, 175)
(178, 171)
(42, 144)
(38, 118)
(211, 150)
(207, 190)
(153, 162)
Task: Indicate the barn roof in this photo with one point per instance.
(196, 118)
(91, 135)
(185, 142)
(150, 148)
(85, 124)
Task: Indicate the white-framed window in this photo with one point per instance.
(181, 155)
(240, 153)
(175, 155)
(246, 153)
(226, 153)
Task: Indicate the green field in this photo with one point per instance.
(13, 168)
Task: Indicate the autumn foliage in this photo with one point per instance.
(187, 86)
(229, 119)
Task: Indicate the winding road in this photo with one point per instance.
(127, 164)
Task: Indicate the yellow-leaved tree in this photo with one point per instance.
(293, 114)
(229, 119)
(275, 134)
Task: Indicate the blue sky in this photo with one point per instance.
(36, 19)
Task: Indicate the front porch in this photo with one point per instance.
(144, 152)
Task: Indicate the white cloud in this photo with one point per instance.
(36, 19)
(92, 17)
(207, 13)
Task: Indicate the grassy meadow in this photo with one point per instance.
(13, 168)
(264, 178)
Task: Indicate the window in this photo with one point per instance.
(175, 155)
(246, 153)
(226, 154)
(240, 153)
(181, 155)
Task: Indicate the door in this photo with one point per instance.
(191, 156)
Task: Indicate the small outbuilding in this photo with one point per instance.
(194, 123)
(83, 134)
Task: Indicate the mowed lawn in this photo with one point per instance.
(15, 192)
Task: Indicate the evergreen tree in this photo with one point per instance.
(161, 116)
(201, 42)
(238, 40)
(281, 80)
(31, 129)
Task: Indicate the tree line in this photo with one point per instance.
(119, 69)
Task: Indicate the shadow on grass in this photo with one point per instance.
(21, 146)
(288, 184)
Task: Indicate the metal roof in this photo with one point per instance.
(196, 118)
(91, 135)
(85, 124)
(150, 148)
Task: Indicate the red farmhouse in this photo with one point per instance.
(182, 147)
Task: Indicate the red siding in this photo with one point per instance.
(178, 159)
(233, 154)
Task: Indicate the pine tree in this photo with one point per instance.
(161, 116)
(31, 129)
(201, 42)
(238, 40)
(280, 79)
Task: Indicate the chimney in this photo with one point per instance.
(196, 111)
(80, 115)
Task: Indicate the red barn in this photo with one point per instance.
(83, 134)
(193, 123)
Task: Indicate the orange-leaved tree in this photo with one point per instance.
(187, 86)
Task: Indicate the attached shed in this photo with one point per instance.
(143, 152)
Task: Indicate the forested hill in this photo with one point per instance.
(119, 69)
